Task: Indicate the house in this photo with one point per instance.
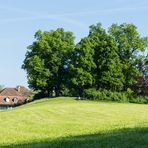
(10, 97)
(25, 92)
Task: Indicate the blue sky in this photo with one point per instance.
(20, 19)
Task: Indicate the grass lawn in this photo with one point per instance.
(66, 122)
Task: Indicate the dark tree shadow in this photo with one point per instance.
(124, 138)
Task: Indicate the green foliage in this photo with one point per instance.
(46, 60)
(108, 72)
(106, 95)
(130, 44)
(139, 99)
(103, 60)
(82, 65)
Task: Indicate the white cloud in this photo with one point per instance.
(48, 17)
(132, 8)
(63, 17)
(38, 16)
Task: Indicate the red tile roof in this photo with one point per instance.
(10, 92)
(24, 91)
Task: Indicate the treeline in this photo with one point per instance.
(104, 60)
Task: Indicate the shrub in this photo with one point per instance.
(92, 94)
(128, 96)
(65, 91)
(139, 99)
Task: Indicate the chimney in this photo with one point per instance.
(18, 88)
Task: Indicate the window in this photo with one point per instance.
(6, 99)
(15, 100)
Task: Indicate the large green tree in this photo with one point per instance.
(82, 66)
(108, 72)
(130, 44)
(47, 59)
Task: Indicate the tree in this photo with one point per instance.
(82, 66)
(46, 60)
(142, 85)
(129, 45)
(108, 72)
(1, 87)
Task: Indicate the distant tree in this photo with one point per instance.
(2, 87)
(141, 87)
(108, 72)
(47, 59)
(130, 44)
(142, 84)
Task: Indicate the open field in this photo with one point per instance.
(65, 122)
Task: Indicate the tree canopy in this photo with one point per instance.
(103, 60)
(108, 72)
(82, 65)
(130, 44)
(46, 60)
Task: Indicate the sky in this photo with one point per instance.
(20, 19)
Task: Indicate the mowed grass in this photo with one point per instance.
(66, 122)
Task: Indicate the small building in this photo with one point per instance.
(10, 97)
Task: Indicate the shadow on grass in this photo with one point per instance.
(124, 138)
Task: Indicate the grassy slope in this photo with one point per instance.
(65, 122)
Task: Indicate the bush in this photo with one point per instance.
(139, 99)
(92, 94)
(65, 91)
(128, 96)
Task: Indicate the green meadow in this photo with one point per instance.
(66, 122)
